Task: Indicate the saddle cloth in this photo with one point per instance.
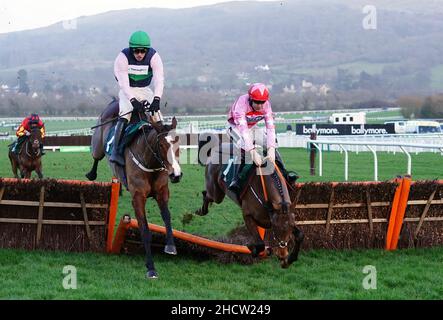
(131, 132)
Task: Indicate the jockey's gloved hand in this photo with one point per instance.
(27, 133)
(145, 105)
(271, 154)
(155, 105)
(137, 105)
(256, 158)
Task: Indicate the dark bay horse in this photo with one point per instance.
(29, 156)
(265, 203)
(151, 160)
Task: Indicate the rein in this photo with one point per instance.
(281, 244)
(33, 155)
(154, 153)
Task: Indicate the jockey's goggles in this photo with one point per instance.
(140, 50)
(258, 102)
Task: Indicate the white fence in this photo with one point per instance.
(371, 146)
(291, 140)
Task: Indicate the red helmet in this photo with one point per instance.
(258, 92)
(34, 118)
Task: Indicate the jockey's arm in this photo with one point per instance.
(21, 131)
(43, 131)
(242, 125)
(121, 66)
(23, 128)
(270, 128)
(158, 75)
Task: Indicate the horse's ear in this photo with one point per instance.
(155, 125)
(174, 123)
(292, 219)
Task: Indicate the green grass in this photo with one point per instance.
(319, 274)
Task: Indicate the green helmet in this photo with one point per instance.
(139, 39)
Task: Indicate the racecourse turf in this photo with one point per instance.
(318, 274)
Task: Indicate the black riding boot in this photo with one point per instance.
(116, 156)
(42, 152)
(238, 167)
(290, 176)
(235, 184)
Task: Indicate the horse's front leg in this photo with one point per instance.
(258, 245)
(139, 202)
(92, 174)
(298, 237)
(166, 216)
(205, 206)
(26, 174)
(39, 172)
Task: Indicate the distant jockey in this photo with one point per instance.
(24, 130)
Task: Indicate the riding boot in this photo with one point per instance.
(290, 176)
(237, 174)
(235, 184)
(42, 152)
(18, 144)
(116, 156)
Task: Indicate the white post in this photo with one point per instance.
(320, 163)
(375, 162)
(409, 159)
(346, 161)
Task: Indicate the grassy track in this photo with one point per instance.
(319, 274)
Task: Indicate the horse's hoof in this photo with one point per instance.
(253, 250)
(170, 249)
(200, 212)
(91, 176)
(152, 274)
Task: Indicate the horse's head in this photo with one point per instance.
(282, 230)
(35, 139)
(281, 218)
(168, 146)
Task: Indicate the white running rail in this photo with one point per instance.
(370, 146)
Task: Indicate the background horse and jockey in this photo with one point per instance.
(25, 153)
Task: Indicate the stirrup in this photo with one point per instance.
(292, 176)
(234, 186)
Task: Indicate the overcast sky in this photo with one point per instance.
(18, 15)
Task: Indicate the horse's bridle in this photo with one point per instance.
(270, 209)
(155, 153)
(33, 155)
(29, 141)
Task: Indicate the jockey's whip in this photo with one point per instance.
(145, 107)
(111, 120)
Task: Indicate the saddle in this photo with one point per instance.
(131, 132)
(229, 160)
(17, 145)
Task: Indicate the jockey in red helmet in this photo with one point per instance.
(24, 130)
(245, 113)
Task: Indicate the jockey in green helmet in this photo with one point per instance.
(135, 68)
